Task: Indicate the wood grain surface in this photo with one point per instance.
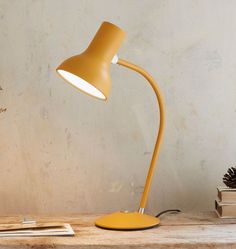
(183, 230)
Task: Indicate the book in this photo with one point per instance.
(35, 229)
(225, 210)
(227, 195)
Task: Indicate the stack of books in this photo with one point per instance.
(225, 205)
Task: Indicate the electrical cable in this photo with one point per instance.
(167, 211)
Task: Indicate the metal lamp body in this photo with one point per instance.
(92, 68)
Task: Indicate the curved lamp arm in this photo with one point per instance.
(156, 89)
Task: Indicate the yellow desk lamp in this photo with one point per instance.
(90, 73)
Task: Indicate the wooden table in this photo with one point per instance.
(183, 230)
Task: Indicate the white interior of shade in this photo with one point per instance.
(81, 84)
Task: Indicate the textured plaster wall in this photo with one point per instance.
(63, 152)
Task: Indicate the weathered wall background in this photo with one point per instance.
(61, 151)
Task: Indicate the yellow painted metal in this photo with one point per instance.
(93, 65)
(127, 221)
(137, 220)
(156, 89)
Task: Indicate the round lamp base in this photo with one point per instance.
(127, 221)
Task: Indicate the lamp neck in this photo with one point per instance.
(160, 129)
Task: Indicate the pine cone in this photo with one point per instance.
(229, 178)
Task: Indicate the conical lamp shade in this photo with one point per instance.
(90, 71)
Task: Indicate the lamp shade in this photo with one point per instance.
(90, 70)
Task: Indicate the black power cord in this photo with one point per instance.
(168, 211)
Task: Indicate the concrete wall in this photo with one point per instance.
(64, 152)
